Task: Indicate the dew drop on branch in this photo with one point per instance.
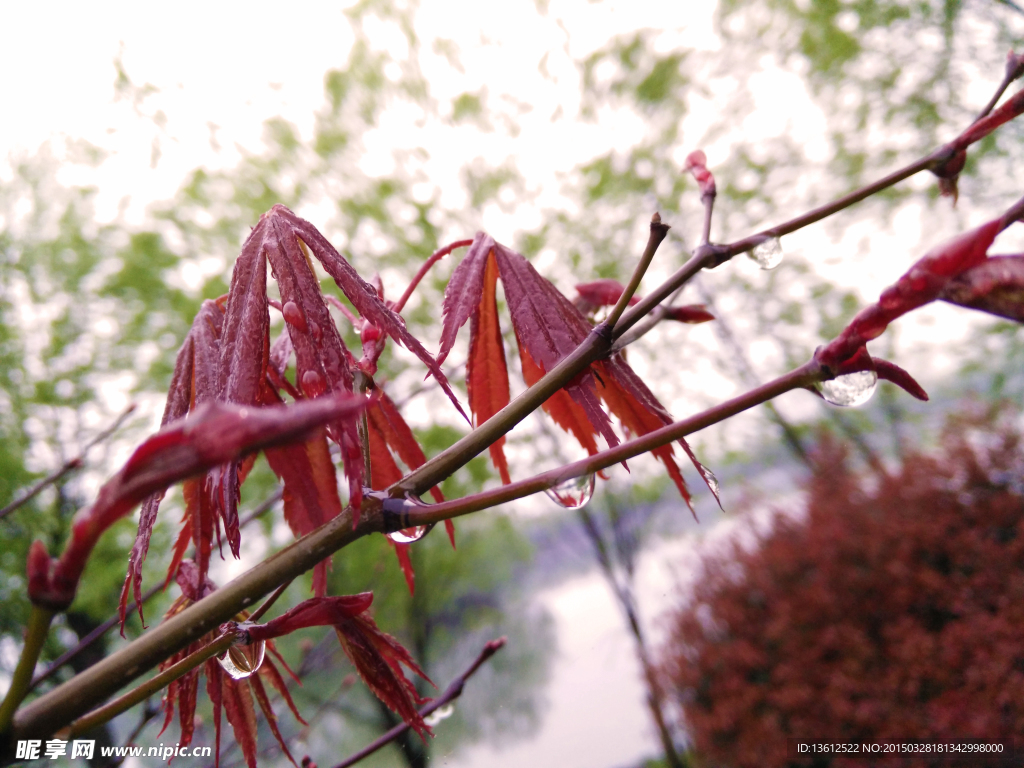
(768, 254)
(850, 389)
(408, 535)
(574, 493)
(439, 714)
(242, 661)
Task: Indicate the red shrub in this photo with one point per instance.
(893, 611)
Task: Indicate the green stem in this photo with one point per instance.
(35, 636)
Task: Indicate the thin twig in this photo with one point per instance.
(421, 273)
(452, 692)
(657, 234)
(69, 466)
(269, 602)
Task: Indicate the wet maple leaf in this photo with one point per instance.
(388, 432)
(377, 656)
(233, 697)
(227, 357)
(547, 327)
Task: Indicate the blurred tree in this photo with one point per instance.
(890, 612)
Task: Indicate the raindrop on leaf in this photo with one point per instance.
(710, 479)
(408, 535)
(293, 315)
(242, 661)
(439, 714)
(850, 389)
(574, 493)
(768, 254)
(313, 384)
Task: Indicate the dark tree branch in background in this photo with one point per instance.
(452, 692)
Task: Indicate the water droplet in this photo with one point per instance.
(768, 254)
(315, 332)
(574, 493)
(439, 714)
(408, 535)
(710, 479)
(850, 389)
(293, 316)
(241, 661)
(313, 384)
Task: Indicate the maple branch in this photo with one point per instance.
(404, 513)
(421, 273)
(709, 206)
(657, 234)
(157, 683)
(68, 466)
(452, 692)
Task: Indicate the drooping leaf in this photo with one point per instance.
(486, 369)
(377, 656)
(600, 293)
(362, 295)
(212, 435)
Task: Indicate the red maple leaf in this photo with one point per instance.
(227, 357)
(377, 656)
(547, 327)
(230, 695)
(388, 432)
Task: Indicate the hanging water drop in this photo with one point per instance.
(768, 254)
(710, 479)
(315, 332)
(242, 661)
(850, 389)
(313, 384)
(574, 493)
(439, 714)
(293, 316)
(408, 535)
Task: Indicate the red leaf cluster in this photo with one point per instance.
(547, 327)
(227, 357)
(377, 656)
(891, 612)
(229, 696)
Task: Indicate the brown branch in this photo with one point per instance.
(657, 234)
(452, 692)
(401, 514)
(68, 466)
